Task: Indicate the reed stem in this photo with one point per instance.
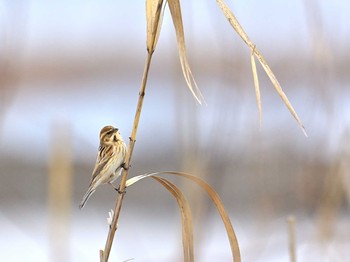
(104, 255)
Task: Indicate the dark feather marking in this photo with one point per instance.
(98, 170)
(103, 158)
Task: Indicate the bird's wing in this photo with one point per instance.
(101, 160)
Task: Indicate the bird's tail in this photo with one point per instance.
(87, 195)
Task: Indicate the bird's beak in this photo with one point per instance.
(116, 129)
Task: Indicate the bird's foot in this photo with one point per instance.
(125, 167)
(119, 191)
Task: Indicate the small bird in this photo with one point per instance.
(109, 162)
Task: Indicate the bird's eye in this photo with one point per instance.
(110, 132)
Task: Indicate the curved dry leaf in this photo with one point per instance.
(214, 197)
(185, 211)
(175, 10)
(238, 28)
(221, 209)
(186, 217)
(135, 179)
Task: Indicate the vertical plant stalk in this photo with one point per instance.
(60, 191)
(113, 227)
(291, 235)
(153, 27)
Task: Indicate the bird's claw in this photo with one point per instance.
(120, 192)
(125, 167)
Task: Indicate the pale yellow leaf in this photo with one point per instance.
(221, 209)
(214, 197)
(256, 85)
(186, 217)
(279, 90)
(175, 10)
(135, 179)
(238, 28)
(154, 15)
(234, 22)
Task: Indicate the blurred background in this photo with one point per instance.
(69, 68)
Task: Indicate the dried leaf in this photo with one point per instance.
(154, 17)
(186, 217)
(256, 85)
(238, 28)
(214, 197)
(234, 22)
(175, 10)
(135, 179)
(279, 90)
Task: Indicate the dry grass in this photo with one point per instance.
(256, 85)
(186, 217)
(185, 211)
(154, 14)
(239, 29)
(323, 203)
(175, 10)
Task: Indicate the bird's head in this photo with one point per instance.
(110, 135)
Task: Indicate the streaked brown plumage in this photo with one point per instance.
(109, 161)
